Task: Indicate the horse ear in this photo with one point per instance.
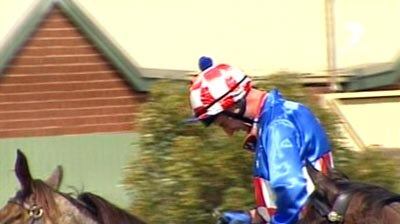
(54, 181)
(22, 172)
(314, 174)
(323, 184)
(336, 175)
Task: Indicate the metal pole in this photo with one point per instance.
(330, 44)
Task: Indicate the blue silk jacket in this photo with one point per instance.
(288, 136)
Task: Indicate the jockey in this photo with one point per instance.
(283, 135)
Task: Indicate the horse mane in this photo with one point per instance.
(106, 212)
(338, 176)
(373, 196)
(359, 202)
(43, 196)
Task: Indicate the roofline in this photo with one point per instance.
(18, 38)
(19, 35)
(383, 78)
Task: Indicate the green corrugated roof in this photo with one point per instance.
(17, 39)
(374, 76)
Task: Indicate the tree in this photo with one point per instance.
(181, 173)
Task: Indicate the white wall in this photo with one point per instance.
(255, 35)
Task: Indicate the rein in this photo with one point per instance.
(34, 211)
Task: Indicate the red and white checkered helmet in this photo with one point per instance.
(216, 89)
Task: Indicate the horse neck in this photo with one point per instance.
(392, 212)
(383, 208)
(71, 212)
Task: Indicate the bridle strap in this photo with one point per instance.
(321, 207)
(337, 212)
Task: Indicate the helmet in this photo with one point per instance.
(216, 89)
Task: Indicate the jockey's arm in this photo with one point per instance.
(284, 171)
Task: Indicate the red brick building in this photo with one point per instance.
(60, 75)
(68, 95)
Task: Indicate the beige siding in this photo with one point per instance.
(377, 123)
(369, 118)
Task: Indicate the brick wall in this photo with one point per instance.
(59, 84)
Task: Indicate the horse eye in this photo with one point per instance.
(36, 212)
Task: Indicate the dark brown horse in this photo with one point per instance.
(40, 202)
(337, 199)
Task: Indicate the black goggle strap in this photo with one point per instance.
(240, 115)
(204, 110)
(242, 106)
(207, 121)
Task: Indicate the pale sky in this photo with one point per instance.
(255, 35)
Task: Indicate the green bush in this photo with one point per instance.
(181, 173)
(374, 166)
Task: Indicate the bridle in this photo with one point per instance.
(337, 212)
(34, 211)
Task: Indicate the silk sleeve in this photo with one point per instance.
(285, 170)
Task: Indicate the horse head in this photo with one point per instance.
(40, 202)
(337, 199)
(37, 201)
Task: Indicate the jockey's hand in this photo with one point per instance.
(234, 217)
